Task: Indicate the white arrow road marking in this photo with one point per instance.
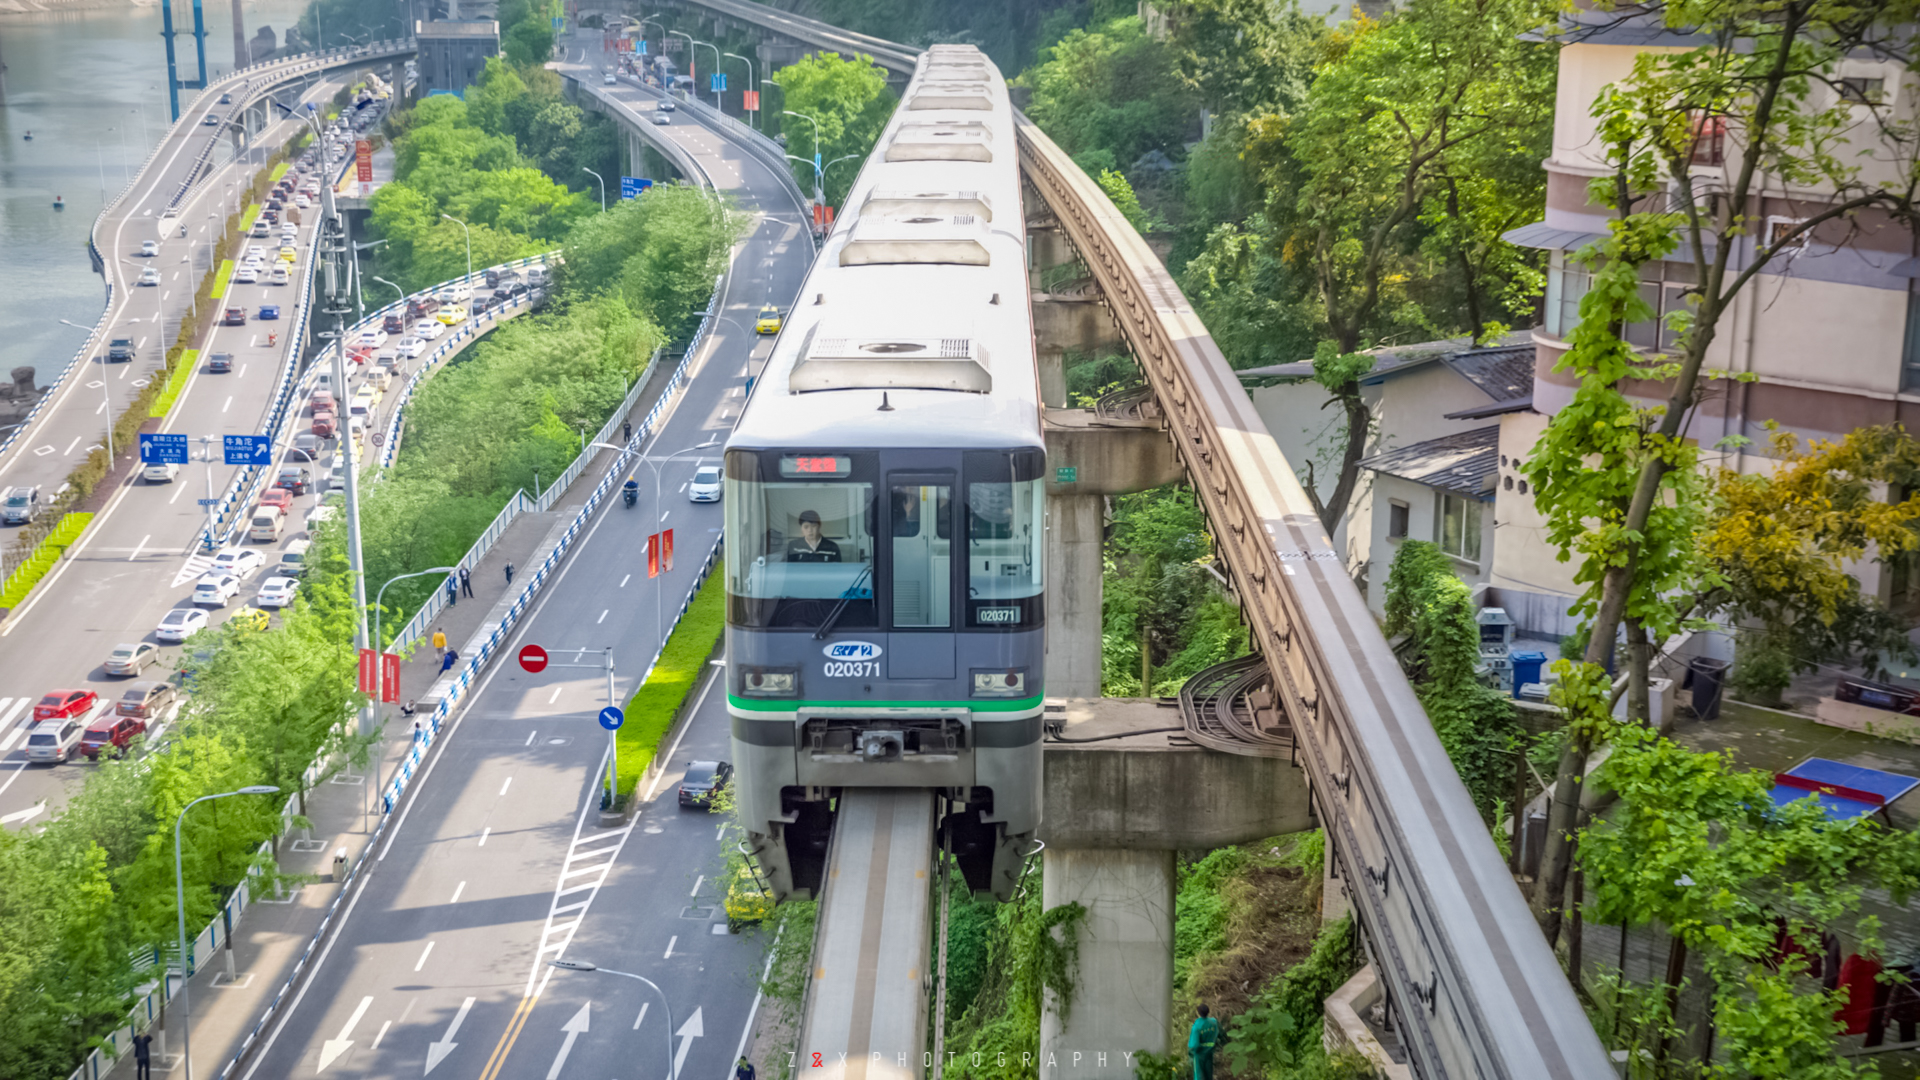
(688, 1032)
(573, 1029)
(331, 1050)
(28, 814)
(437, 1052)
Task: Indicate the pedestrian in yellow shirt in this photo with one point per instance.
(439, 640)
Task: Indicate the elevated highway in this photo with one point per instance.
(1471, 985)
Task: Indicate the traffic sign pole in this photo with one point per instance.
(613, 742)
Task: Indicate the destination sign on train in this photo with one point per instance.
(815, 465)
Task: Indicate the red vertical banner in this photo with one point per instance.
(363, 161)
(666, 551)
(752, 101)
(389, 677)
(369, 672)
(827, 209)
(653, 554)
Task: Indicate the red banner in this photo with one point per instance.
(752, 101)
(369, 673)
(653, 555)
(389, 677)
(666, 551)
(363, 161)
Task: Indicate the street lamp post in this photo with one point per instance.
(359, 302)
(379, 643)
(582, 965)
(692, 64)
(716, 71)
(390, 285)
(819, 194)
(180, 910)
(603, 189)
(659, 519)
(469, 232)
(750, 83)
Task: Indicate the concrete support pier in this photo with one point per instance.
(1126, 960)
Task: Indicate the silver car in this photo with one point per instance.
(52, 741)
(131, 659)
(19, 505)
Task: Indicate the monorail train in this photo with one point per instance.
(885, 528)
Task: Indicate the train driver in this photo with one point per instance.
(810, 545)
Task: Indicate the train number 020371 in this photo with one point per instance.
(852, 669)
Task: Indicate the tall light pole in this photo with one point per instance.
(819, 193)
(582, 965)
(692, 65)
(390, 285)
(810, 120)
(469, 232)
(711, 78)
(380, 645)
(180, 910)
(603, 190)
(359, 303)
(750, 83)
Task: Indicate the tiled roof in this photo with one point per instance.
(1466, 463)
(1503, 373)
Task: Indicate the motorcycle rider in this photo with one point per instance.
(631, 491)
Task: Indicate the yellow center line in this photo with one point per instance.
(507, 1037)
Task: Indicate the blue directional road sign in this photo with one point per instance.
(611, 718)
(718, 82)
(632, 186)
(163, 449)
(816, 161)
(247, 449)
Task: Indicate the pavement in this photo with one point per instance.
(495, 863)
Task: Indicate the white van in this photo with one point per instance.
(293, 561)
(266, 524)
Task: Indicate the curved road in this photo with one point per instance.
(496, 865)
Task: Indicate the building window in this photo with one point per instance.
(1709, 140)
(1663, 285)
(1459, 527)
(1861, 90)
(1910, 352)
(1570, 281)
(1396, 520)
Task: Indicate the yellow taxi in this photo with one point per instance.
(252, 618)
(451, 313)
(289, 256)
(769, 321)
(747, 903)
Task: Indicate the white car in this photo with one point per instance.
(428, 328)
(277, 592)
(149, 248)
(410, 347)
(278, 276)
(302, 201)
(370, 339)
(215, 589)
(609, 79)
(706, 484)
(179, 624)
(257, 249)
(161, 472)
(150, 276)
(240, 562)
(247, 275)
(454, 294)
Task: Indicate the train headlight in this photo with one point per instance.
(770, 682)
(1000, 682)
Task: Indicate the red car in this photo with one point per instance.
(61, 704)
(277, 496)
(115, 732)
(322, 401)
(324, 425)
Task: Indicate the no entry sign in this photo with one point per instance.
(533, 658)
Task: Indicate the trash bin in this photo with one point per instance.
(1526, 669)
(1709, 682)
(339, 864)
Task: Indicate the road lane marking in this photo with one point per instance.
(22, 816)
(555, 697)
(138, 546)
(483, 836)
(422, 962)
(438, 1051)
(70, 446)
(670, 944)
(697, 882)
(17, 770)
(530, 736)
(642, 1016)
(505, 786)
(100, 408)
(602, 618)
(623, 581)
(720, 831)
(507, 1037)
(331, 1050)
(228, 405)
(462, 887)
(177, 489)
(375, 1045)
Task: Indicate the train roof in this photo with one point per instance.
(919, 298)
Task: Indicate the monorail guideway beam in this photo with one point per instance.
(1476, 989)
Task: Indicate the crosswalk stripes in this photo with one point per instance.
(11, 711)
(196, 565)
(589, 860)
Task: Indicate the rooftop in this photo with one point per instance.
(1503, 369)
(1466, 463)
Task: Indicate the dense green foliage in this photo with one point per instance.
(1008, 30)
(848, 103)
(1030, 951)
(97, 881)
(1162, 609)
(1111, 94)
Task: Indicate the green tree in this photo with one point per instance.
(1109, 95)
(1616, 480)
(847, 98)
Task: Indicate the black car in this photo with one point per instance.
(393, 324)
(703, 780)
(295, 479)
(219, 363)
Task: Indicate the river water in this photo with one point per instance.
(91, 87)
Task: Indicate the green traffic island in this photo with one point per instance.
(659, 704)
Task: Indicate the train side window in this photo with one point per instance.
(1006, 539)
(922, 556)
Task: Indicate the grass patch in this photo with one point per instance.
(652, 708)
(252, 213)
(221, 280)
(21, 581)
(176, 382)
(279, 171)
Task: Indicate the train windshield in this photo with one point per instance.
(1006, 538)
(800, 548)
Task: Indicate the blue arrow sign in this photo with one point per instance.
(632, 186)
(816, 161)
(247, 449)
(718, 82)
(611, 718)
(163, 449)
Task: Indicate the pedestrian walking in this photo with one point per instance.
(466, 582)
(1202, 1039)
(439, 640)
(626, 435)
(143, 1056)
(744, 1070)
(453, 592)
(509, 573)
(446, 662)
(419, 729)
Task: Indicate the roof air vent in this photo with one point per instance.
(944, 240)
(962, 96)
(914, 203)
(887, 362)
(948, 140)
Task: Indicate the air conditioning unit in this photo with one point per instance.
(886, 362)
(921, 203)
(926, 239)
(941, 140)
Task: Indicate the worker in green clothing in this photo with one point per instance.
(1202, 1038)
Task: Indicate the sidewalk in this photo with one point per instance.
(273, 935)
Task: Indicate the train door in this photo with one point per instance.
(921, 558)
